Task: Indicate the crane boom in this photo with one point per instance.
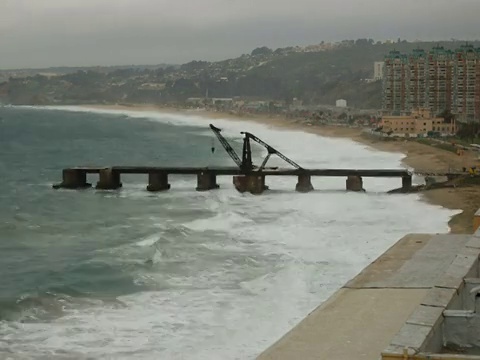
(271, 150)
(226, 146)
(245, 163)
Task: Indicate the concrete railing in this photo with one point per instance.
(476, 221)
(446, 325)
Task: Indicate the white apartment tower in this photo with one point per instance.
(378, 67)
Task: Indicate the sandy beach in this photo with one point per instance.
(417, 156)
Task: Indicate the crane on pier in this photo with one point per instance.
(245, 163)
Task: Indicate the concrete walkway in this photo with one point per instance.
(360, 320)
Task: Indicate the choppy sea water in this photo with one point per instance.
(180, 274)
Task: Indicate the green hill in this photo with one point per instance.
(318, 77)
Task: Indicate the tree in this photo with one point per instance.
(272, 109)
(447, 116)
(261, 51)
(469, 130)
(362, 42)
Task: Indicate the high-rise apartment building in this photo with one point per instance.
(378, 67)
(439, 80)
(394, 82)
(466, 89)
(417, 79)
(477, 89)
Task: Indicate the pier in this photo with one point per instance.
(247, 177)
(244, 181)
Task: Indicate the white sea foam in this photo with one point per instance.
(149, 241)
(283, 254)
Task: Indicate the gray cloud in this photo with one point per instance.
(42, 33)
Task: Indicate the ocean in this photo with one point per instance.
(180, 274)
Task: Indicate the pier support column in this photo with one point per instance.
(109, 179)
(158, 182)
(406, 182)
(206, 181)
(254, 184)
(304, 184)
(73, 179)
(355, 183)
(240, 183)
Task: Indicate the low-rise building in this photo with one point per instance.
(195, 101)
(417, 123)
(216, 101)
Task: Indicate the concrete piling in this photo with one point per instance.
(109, 179)
(304, 184)
(354, 183)
(206, 181)
(406, 182)
(158, 182)
(73, 179)
(240, 183)
(255, 184)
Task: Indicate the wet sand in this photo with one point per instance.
(417, 156)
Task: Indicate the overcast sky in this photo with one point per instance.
(42, 33)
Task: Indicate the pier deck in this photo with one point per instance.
(252, 181)
(237, 171)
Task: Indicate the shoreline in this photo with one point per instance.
(416, 155)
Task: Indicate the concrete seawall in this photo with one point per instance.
(395, 308)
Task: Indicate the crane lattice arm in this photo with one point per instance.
(226, 146)
(245, 163)
(271, 151)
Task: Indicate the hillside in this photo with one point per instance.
(313, 75)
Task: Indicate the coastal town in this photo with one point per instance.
(418, 92)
